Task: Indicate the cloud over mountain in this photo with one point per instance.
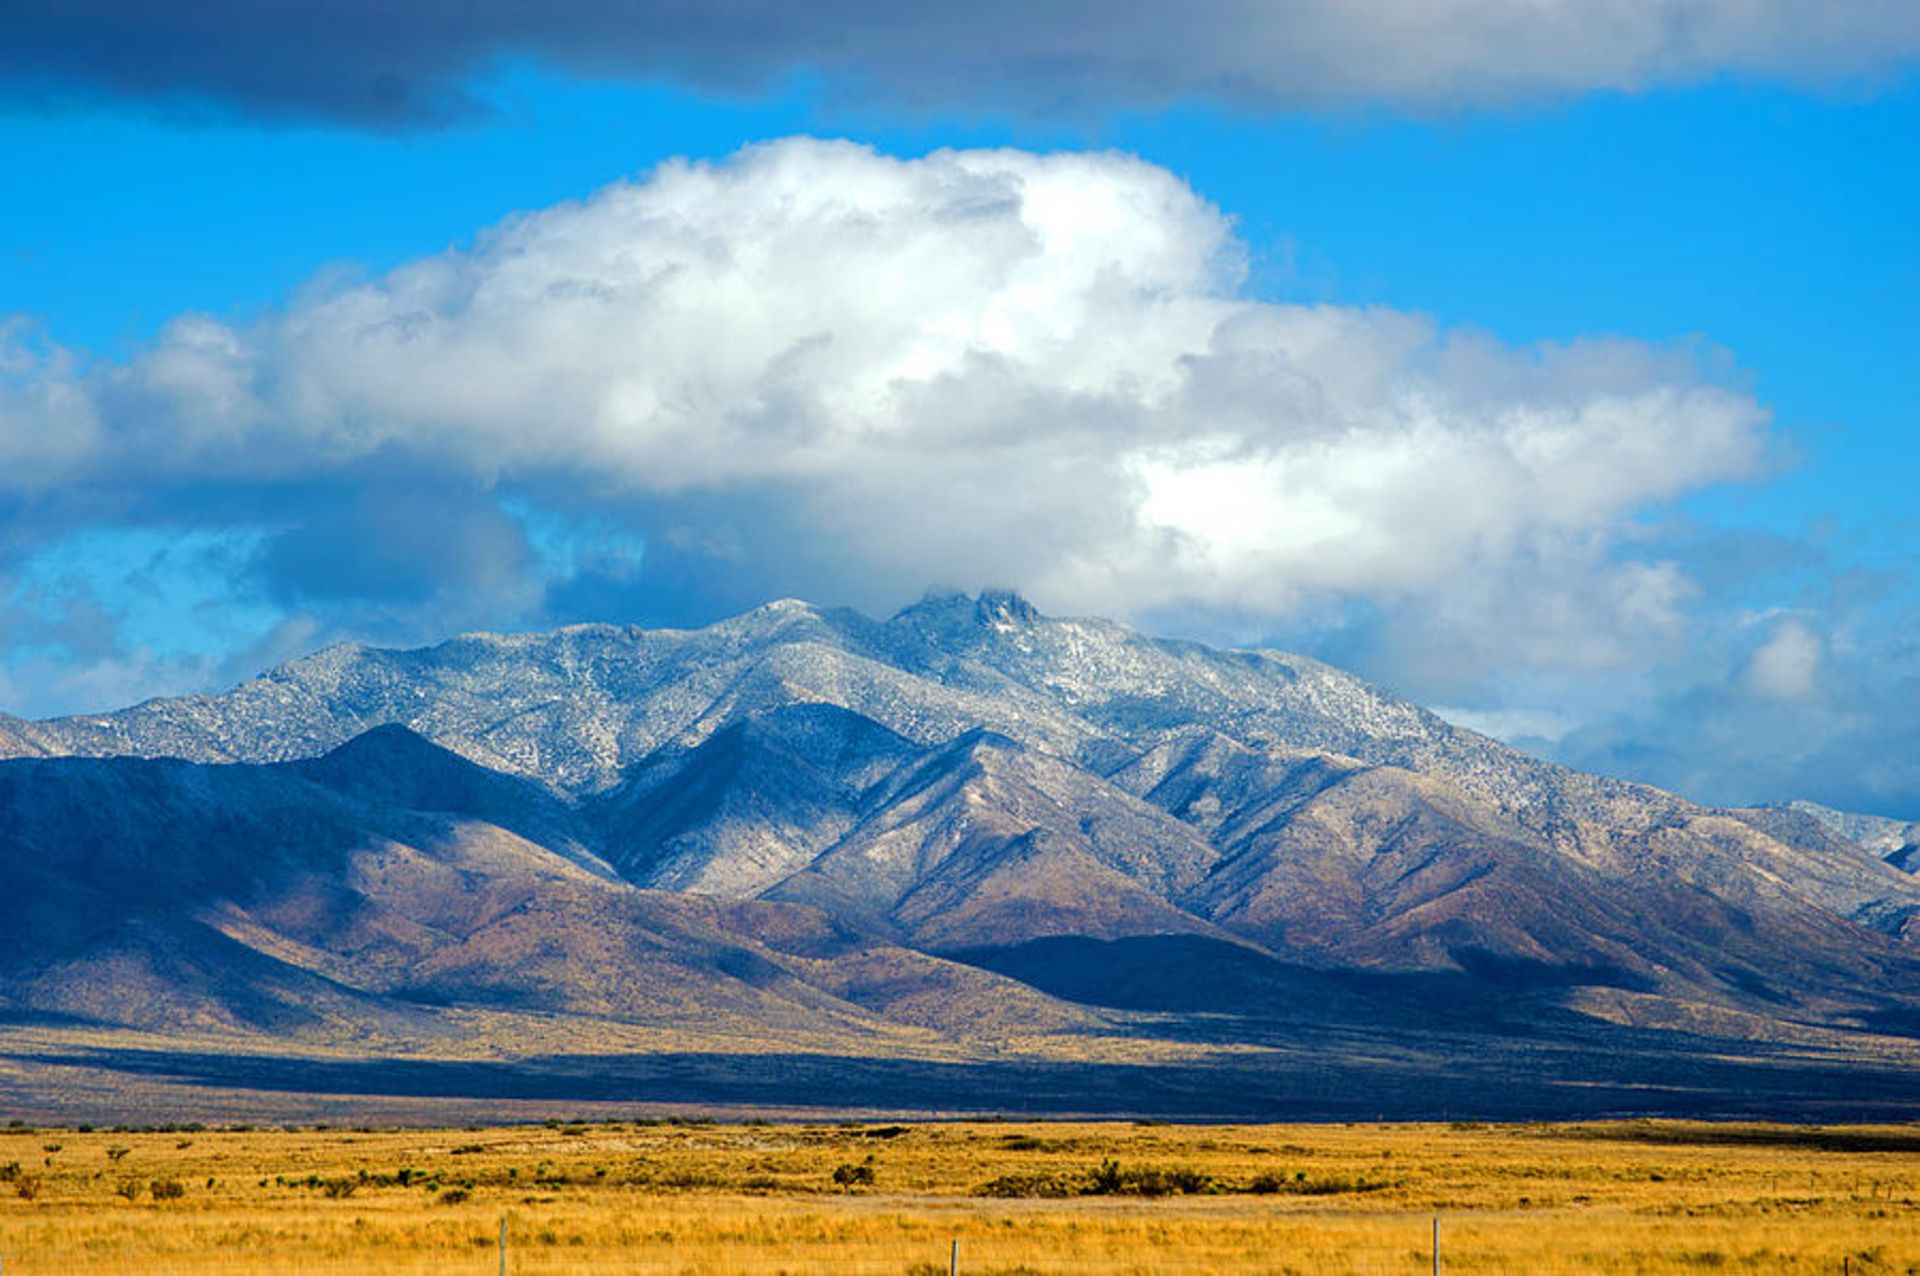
(973, 366)
(371, 64)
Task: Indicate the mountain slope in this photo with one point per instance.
(1897, 842)
(748, 805)
(788, 825)
(286, 900)
(578, 708)
(575, 707)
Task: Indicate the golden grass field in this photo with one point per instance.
(693, 1197)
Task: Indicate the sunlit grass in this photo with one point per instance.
(692, 1197)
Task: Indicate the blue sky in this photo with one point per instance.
(1745, 223)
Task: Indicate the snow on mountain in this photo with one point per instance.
(966, 777)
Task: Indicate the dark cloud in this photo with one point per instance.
(397, 544)
(1855, 745)
(374, 63)
(354, 62)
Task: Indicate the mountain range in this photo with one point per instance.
(966, 857)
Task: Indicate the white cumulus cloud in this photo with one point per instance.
(972, 367)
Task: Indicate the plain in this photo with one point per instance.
(688, 1195)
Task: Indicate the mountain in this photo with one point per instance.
(965, 830)
(576, 707)
(360, 896)
(1895, 841)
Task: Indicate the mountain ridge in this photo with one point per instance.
(804, 824)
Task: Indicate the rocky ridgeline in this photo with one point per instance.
(575, 707)
(970, 775)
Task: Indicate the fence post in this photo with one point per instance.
(1436, 1245)
(953, 1259)
(503, 1246)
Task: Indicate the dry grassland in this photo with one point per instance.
(691, 1197)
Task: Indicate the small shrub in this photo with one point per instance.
(128, 1189)
(1017, 1186)
(1149, 1183)
(1187, 1181)
(853, 1175)
(339, 1189)
(27, 1186)
(116, 1154)
(1265, 1184)
(167, 1189)
(455, 1195)
(1303, 1186)
(1105, 1181)
(1111, 1180)
(10, 1172)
